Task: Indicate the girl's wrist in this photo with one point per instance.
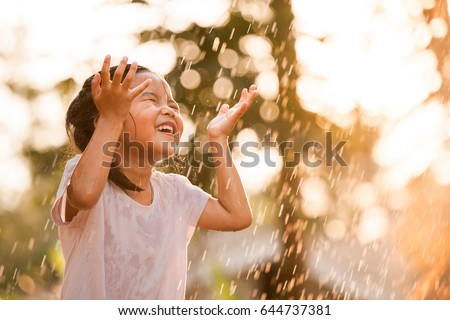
(110, 123)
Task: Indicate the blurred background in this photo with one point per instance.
(373, 75)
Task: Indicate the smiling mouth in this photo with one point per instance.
(166, 129)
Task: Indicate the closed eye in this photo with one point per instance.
(176, 108)
(148, 96)
(174, 105)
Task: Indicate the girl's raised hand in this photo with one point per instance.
(113, 97)
(226, 119)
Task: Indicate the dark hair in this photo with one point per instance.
(80, 119)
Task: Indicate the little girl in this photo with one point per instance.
(124, 228)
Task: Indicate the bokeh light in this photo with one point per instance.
(373, 224)
(223, 88)
(316, 200)
(190, 79)
(266, 162)
(374, 64)
(228, 58)
(269, 111)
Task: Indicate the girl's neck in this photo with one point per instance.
(140, 176)
(134, 167)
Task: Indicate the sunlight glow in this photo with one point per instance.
(48, 130)
(15, 117)
(316, 201)
(52, 41)
(255, 46)
(335, 229)
(374, 59)
(372, 68)
(438, 27)
(158, 55)
(180, 15)
(15, 124)
(365, 195)
(441, 168)
(373, 224)
(16, 180)
(258, 10)
(407, 148)
(268, 84)
(50, 53)
(259, 169)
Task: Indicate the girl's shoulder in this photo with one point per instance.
(75, 159)
(67, 165)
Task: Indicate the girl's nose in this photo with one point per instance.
(168, 111)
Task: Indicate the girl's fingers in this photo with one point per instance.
(140, 88)
(224, 108)
(237, 111)
(248, 94)
(251, 95)
(130, 75)
(244, 103)
(105, 70)
(117, 78)
(95, 85)
(244, 107)
(243, 95)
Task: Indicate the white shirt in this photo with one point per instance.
(121, 249)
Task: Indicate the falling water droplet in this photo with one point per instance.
(43, 261)
(232, 33)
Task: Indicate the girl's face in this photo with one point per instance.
(154, 126)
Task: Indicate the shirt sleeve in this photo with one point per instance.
(58, 211)
(193, 200)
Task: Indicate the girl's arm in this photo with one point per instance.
(113, 101)
(231, 211)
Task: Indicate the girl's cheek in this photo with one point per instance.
(180, 125)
